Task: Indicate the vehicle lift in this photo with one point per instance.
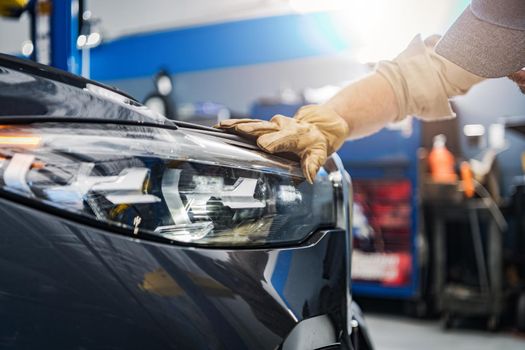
(55, 26)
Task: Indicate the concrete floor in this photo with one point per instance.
(390, 332)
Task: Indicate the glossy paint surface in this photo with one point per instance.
(29, 89)
(66, 285)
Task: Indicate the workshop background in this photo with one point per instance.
(203, 61)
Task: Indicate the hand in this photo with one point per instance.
(315, 132)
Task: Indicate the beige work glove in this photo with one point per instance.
(315, 132)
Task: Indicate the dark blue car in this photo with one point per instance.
(121, 229)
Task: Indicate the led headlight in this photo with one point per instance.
(170, 184)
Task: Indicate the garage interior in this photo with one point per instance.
(436, 263)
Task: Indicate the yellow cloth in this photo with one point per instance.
(423, 81)
(12, 7)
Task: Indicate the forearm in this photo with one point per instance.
(418, 82)
(367, 105)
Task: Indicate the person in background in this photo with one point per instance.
(486, 41)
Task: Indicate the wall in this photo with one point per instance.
(233, 53)
(239, 87)
(13, 32)
(219, 45)
(139, 16)
(387, 23)
(184, 35)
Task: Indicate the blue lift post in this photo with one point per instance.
(54, 32)
(64, 34)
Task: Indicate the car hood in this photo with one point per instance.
(31, 89)
(32, 92)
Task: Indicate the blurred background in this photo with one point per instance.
(234, 52)
(203, 61)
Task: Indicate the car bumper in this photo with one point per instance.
(68, 285)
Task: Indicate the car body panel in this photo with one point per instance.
(27, 89)
(69, 285)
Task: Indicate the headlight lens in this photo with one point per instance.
(171, 184)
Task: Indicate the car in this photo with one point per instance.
(122, 229)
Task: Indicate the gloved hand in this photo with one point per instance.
(315, 132)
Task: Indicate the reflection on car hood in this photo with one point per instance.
(31, 89)
(34, 92)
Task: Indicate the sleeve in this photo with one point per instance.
(423, 81)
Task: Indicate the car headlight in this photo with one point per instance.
(165, 184)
